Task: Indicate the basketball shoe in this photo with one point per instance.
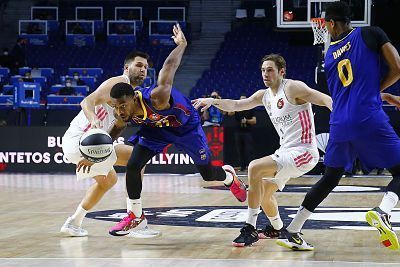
(248, 236)
(293, 241)
(268, 232)
(381, 221)
(133, 226)
(69, 229)
(238, 187)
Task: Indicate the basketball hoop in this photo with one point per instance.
(321, 34)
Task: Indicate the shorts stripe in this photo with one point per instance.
(305, 127)
(303, 159)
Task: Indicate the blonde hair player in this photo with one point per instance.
(97, 113)
(288, 104)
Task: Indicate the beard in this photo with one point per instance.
(136, 79)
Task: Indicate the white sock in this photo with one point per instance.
(276, 222)
(135, 206)
(389, 201)
(297, 223)
(252, 215)
(78, 216)
(228, 179)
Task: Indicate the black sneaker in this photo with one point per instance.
(293, 241)
(248, 236)
(268, 232)
(380, 220)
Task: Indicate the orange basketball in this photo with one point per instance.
(288, 16)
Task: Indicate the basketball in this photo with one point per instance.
(288, 15)
(96, 145)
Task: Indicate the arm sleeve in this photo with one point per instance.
(374, 37)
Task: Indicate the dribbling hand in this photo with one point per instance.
(202, 102)
(85, 165)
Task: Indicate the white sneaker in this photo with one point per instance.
(68, 229)
(146, 232)
(293, 241)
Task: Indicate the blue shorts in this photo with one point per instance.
(193, 142)
(379, 149)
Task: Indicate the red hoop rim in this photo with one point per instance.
(320, 22)
(317, 19)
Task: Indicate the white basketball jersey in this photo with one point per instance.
(294, 123)
(104, 113)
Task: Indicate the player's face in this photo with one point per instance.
(123, 107)
(137, 70)
(329, 27)
(270, 73)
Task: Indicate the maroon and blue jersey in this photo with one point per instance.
(179, 125)
(179, 118)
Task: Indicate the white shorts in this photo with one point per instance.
(70, 147)
(293, 162)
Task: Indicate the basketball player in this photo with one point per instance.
(166, 116)
(97, 113)
(288, 104)
(358, 124)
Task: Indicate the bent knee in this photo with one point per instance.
(259, 170)
(107, 182)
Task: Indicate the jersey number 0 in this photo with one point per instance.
(345, 72)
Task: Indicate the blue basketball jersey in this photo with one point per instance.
(353, 75)
(178, 119)
(179, 125)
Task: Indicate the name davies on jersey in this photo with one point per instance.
(341, 50)
(284, 120)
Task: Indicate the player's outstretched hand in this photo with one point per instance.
(179, 37)
(203, 102)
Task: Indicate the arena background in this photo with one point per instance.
(223, 55)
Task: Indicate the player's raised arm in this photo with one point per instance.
(100, 96)
(301, 91)
(161, 94)
(230, 105)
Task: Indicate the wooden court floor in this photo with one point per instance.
(198, 225)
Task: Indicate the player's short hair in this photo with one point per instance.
(277, 59)
(120, 90)
(132, 55)
(338, 11)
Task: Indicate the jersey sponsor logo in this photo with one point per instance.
(154, 117)
(343, 218)
(280, 103)
(284, 120)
